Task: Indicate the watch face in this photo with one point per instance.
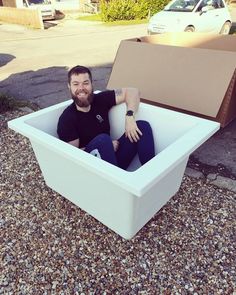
(129, 113)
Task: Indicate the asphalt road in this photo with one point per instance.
(34, 67)
(38, 60)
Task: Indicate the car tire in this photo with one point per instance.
(190, 29)
(225, 28)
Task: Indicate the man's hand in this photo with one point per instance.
(131, 129)
(115, 144)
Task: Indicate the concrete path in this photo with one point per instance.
(34, 67)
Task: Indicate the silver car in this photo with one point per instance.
(211, 16)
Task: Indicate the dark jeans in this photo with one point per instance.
(101, 146)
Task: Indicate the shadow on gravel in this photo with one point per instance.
(5, 59)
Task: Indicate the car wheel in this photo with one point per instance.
(189, 29)
(225, 28)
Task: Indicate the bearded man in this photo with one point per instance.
(85, 123)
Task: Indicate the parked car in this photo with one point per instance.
(47, 10)
(211, 16)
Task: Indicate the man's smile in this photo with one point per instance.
(81, 93)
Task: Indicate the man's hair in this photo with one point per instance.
(79, 70)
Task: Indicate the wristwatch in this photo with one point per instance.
(130, 113)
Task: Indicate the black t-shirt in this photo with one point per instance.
(74, 124)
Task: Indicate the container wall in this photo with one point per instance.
(47, 121)
(115, 207)
(162, 127)
(151, 202)
(161, 120)
(107, 202)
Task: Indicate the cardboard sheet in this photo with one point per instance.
(196, 75)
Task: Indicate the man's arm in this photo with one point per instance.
(74, 142)
(130, 96)
(132, 99)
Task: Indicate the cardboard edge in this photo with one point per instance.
(228, 106)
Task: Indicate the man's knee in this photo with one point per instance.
(143, 125)
(101, 143)
(103, 138)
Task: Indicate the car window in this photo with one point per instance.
(215, 4)
(210, 4)
(182, 5)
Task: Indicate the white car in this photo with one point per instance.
(211, 16)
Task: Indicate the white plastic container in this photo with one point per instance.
(122, 200)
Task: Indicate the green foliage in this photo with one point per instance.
(112, 10)
(141, 9)
(9, 103)
(156, 5)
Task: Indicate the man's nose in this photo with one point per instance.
(80, 87)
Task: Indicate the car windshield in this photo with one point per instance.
(35, 2)
(181, 5)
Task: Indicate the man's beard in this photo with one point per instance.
(82, 102)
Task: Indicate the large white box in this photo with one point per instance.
(122, 200)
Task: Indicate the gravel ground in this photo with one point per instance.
(50, 246)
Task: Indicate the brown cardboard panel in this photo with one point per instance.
(191, 79)
(196, 40)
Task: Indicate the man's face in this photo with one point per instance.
(81, 89)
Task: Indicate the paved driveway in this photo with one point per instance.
(39, 59)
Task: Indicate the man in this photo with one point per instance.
(85, 123)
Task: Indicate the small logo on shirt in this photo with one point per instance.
(99, 118)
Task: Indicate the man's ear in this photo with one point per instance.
(68, 85)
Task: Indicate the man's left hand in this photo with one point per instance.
(131, 129)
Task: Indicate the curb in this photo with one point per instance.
(212, 178)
